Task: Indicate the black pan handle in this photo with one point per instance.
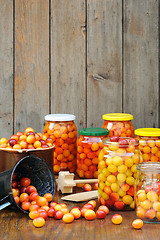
(4, 202)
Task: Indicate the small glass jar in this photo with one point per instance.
(149, 143)
(147, 194)
(62, 129)
(89, 144)
(117, 173)
(119, 124)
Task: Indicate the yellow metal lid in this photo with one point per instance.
(117, 116)
(150, 132)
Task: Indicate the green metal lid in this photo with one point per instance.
(94, 131)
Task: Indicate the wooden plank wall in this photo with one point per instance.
(6, 68)
(84, 57)
(104, 59)
(141, 61)
(31, 101)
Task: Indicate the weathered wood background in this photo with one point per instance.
(85, 57)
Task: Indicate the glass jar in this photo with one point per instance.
(117, 173)
(89, 144)
(149, 143)
(119, 124)
(147, 194)
(62, 129)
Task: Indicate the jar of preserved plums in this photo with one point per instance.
(119, 124)
(147, 194)
(117, 172)
(89, 144)
(149, 143)
(62, 129)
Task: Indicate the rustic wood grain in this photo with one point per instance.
(6, 68)
(68, 79)
(31, 63)
(17, 225)
(141, 62)
(104, 59)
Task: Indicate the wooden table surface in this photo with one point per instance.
(17, 225)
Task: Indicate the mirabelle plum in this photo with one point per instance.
(59, 214)
(89, 214)
(152, 196)
(30, 139)
(87, 187)
(104, 208)
(137, 224)
(43, 214)
(156, 206)
(65, 210)
(158, 215)
(150, 213)
(33, 207)
(83, 210)
(114, 197)
(25, 205)
(41, 201)
(53, 204)
(100, 214)
(146, 204)
(30, 189)
(63, 205)
(48, 196)
(119, 205)
(17, 146)
(76, 213)
(93, 203)
(38, 222)
(15, 192)
(28, 129)
(33, 196)
(37, 144)
(68, 218)
(14, 184)
(38, 136)
(12, 142)
(15, 137)
(141, 196)
(95, 186)
(24, 197)
(23, 144)
(45, 207)
(58, 207)
(3, 140)
(34, 214)
(22, 138)
(51, 212)
(16, 199)
(116, 219)
(25, 182)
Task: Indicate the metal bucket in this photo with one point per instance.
(33, 167)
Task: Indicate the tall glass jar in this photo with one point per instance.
(149, 143)
(89, 144)
(117, 173)
(62, 129)
(119, 124)
(147, 194)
